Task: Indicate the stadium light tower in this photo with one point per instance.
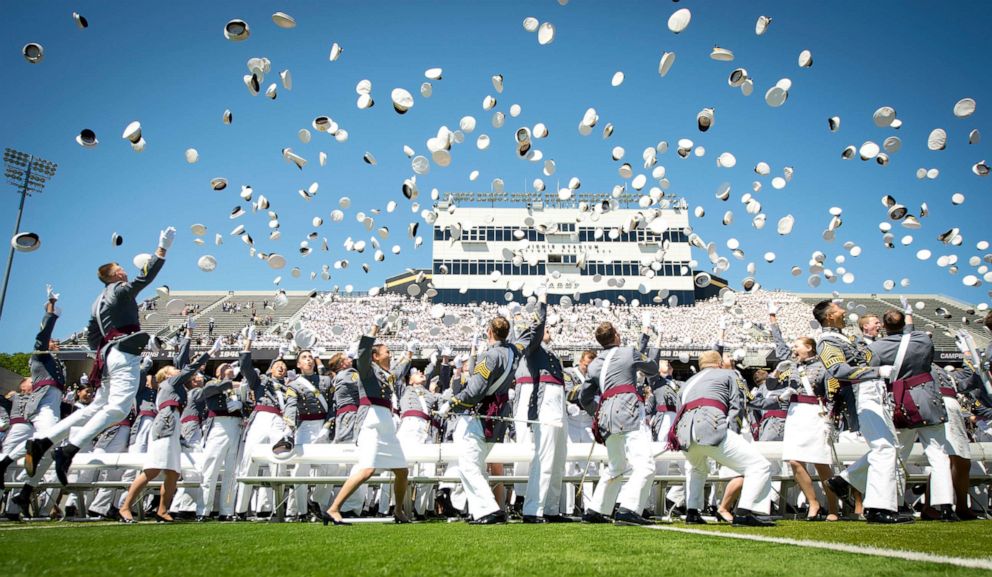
(29, 174)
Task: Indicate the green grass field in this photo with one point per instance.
(460, 549)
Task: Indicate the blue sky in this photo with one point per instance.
(168, 65)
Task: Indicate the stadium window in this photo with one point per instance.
(554, 258)
(635, 269)
(626, 269)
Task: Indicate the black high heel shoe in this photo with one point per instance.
(401, 520)
(161, 519)
(326, 518)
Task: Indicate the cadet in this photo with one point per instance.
(541, 367)
(115, 333)
(611, 394)
(221, 440)
(378, 447)
(306, 419)
(482, 406)
(708, 425)
(848, 363)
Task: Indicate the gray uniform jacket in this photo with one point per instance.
(665, 398)
(193, 415)
(172, 398)
(116, 308)
(619, 412)
(307, 403)
(707, 425)
(46, 369)
(264, 390)
(486, 390)
(410, 397)
(539, 363)
(917, 361)
(346, 398)
(771, 414)
(377, 384)
(18, 411)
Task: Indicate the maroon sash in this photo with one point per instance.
(673, 438)
(544, 379)
(96, 375)
(267, 409)
(906, 414)
(613, 391)
(46, 383)
(492, 406)
(949, 392)
(345, 409)
(368, 401)
(415, 413)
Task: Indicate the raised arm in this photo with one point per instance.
(154, 265)
(835, 362)
(44, 336)
(531, 340)
(643, 364)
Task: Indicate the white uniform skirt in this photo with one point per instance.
(954, 429)
(806, 435)
(378, 446)
(165, 453)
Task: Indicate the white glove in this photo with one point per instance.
(215, 350)
(434, 358)
(52, 296)
(233, 405)
(906, 307)
(251, 332)
(885, 371)
(166, 237)
(772, 307)
(460, 360)
(381, 321)
(446, 351)
(786, 394)
(443, 410)
(475, 341)
(411, 347)
(723, 323)
(645, 320)
(190, 322)
(153, 346)
(323, 435)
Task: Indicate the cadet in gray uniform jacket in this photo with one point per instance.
(482, 407)
(707, 426)
(611, 394)
(542, 368)
(377, 443)
(164, 452)
(114, 332)
(919, 408)
(308, 399)
(42, 409)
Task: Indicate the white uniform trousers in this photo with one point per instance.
(579, 431)
(306, 433)
(220, 451)
(265, 429)
(414, 432)
(547, 467)
(472, 450)
(736, 454)
(633, 448)
(522, 433)
(110, 405)
(141, 432)
(106, 498)
(874, 474)
(39, 424)
(936, 448)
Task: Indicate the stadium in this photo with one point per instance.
(524, 287)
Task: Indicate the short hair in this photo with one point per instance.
(378, 348)
(500, 328)
(864, 320)
(104, 272)
(336, 362)
(710, 359)
(894, 321)
(760, 376)
(820, 311)
(164, 373)
(606, 334)
(588, 354)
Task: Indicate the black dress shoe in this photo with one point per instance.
(628, 517)
(746, 518)
(494, 518)
(885, 517)
(203, 519)
(534, 519)
(36, 449)
(839, 486)
(947, 514)
(692, 517)
(62, 462)
(227, 518)
(558, 519)
(327, 519)
(23, 500)
(595, 517)
(6, 462)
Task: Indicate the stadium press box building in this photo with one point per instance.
(595, 249)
